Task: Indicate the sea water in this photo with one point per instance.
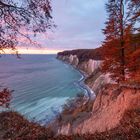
(41, 83)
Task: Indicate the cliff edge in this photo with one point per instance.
(110, 104)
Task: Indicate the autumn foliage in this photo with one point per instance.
(5, 97)
(20, 19)
(121, 47)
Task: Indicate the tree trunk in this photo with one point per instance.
(122, 50)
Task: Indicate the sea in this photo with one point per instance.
(41, 83)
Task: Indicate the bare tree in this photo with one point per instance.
(32, 15)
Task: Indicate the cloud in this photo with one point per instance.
(79, 24)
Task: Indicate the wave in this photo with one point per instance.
(42, 84)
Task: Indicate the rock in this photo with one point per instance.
(110, 104)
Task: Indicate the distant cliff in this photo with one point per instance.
(85, 54)
(89, 61)
(112, 100)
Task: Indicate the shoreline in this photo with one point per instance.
(81, 82)
(90, 93)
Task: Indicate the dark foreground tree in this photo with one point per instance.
(20, 18)
(123, 17)
(133, 59)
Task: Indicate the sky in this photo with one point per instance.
(79, 25)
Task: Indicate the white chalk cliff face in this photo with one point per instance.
(88, 67)
(73, 59)
(109, 104)
(108, 110)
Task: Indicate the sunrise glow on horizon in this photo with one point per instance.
(32, 51)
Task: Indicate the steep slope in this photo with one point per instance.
(14, 127)
(111, 101)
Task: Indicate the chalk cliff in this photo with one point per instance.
(91, 68)
(110, 104)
